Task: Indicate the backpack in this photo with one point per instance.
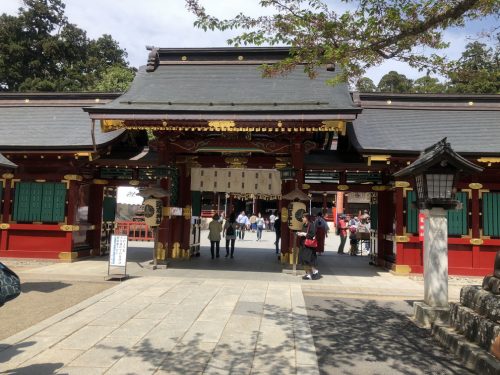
(230, 230)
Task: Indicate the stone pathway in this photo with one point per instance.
(172, 326)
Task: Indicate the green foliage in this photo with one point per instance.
(115, 79)
(395, 82)
(365, 84)
(370, 32)
(477, 71)
(41, 51)
(428, 85)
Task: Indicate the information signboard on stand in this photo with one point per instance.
(117, 265)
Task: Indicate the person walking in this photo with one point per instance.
(230, 233)
(272, 219)
(307, 252)
(277, 230)
(321, 233)
(260, 226)
(253, 222)
(214, 232)
(342, 232)
(242, 222)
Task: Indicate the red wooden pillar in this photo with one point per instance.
(399, 224)
(184, 202)
(283, 206)
(7, 196)
(475, 224)
(6, 212)
(96, 194)
(72, 197)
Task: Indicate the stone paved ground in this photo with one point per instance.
(368, 337)
(222, 316)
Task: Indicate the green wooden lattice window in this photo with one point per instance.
(411, 212)
(491, 214)
(457, 219)
(39, 202)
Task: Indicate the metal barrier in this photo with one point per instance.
(134, 230)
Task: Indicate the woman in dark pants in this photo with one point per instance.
(229, 232)
(307, 255)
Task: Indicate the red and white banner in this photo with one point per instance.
(421, 226)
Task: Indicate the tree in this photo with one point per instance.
(115, 79)
(477, 71)
(365, 84)
(41, 51)
(395, 82)
(363, 36)
(428, 85)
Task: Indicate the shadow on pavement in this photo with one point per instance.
(38, 369)
(42, 286)
(355, 337)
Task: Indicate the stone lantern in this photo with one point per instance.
(435, 175)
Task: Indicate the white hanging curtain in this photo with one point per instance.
(261, 183)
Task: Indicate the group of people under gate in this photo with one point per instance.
(311, 239)
(358, 232)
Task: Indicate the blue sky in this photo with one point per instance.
(167, 23)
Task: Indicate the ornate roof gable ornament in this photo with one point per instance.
(153, 59)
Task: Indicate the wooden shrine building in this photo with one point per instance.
(215, 126)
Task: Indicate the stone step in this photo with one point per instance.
(481, 301)
(474, 327)
(473, 357)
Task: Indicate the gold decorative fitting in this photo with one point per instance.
(221, 125)
(90, 155)
(186, 212)
(97, 181)
(134, 182)
(379, 187)
(236, 161)
(284, 214)
(165, 211)
(489, 160)
(7, 176)
(240, 58)
(475, 185)
(70, 228)
(68, 255)
(306, 186)
(110, 125)
(476, 241)
(371, 158)
(334, 125)
(401, 239)
(184, 58)
(401, 184)
(343, 187)
(73, 177)
(4, 226)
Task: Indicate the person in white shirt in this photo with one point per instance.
(243, 222)
(272, 219)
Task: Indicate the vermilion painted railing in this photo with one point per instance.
(135, 230)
